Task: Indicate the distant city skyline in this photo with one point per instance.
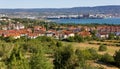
(55, 3)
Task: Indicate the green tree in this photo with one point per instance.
(111, 36)
(39, 61)
(83, 56)
(94, 33)
(64, 58)
(70, 39)
(78, 38)
(117, 37)
(17, 60)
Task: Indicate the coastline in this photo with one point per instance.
(88, 21)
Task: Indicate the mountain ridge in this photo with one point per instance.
(110, 9)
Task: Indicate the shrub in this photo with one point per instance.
(102, 48)
(2, 65)
(59, 44)
(94, 53)
(117, 58)
(83, 54)
(76, 38)
(106, 58)
(1, 53)
(87, 54)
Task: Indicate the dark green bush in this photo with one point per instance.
(87, 54)
(59, 44)
(76, 38)
(102, 48)
(117, 58)
(106, 58)
(94, 53)
(64, 58)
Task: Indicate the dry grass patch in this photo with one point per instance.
(110, 49)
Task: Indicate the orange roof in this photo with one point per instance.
(2, 31)
(39, 28)
(66, 32)
(11, 34)
(84, 33)
(32, 34)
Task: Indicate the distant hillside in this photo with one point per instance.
(74, 10)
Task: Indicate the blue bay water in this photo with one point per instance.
(88, 21)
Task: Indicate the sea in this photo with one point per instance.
(88, 21)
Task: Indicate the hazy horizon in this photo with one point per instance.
(55, 3)
(60, 7)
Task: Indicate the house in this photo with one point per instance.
(18, 26)
(4, 28)
(32, 35)
(11, 33)
(117, 33)
(52, 33)
(23, 32)
(14, 35)
(65, 34)
(84, 33)
(108, 29)
(40, 33)
(87, 28)
(1, 32)
(39, 28)
(49, 34)
(102, 35)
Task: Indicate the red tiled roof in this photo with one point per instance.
(84, 33)
(66, 32)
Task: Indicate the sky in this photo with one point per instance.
(55, 3)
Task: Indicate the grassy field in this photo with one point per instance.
(86, 45)
(111, 49)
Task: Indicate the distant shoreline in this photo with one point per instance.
(115, 21)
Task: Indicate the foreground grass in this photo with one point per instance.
(111, 49)
(85, 45)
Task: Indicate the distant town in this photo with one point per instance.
(76, 16)
(15, 29)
